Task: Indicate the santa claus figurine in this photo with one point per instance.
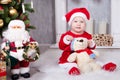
(15, 40)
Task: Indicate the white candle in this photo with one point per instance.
(89, 27)
(23, 7)
(31, 3)
(102, 27)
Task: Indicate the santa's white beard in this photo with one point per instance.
(16, 35)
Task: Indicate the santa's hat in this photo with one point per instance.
(16, 23)
(82, 12)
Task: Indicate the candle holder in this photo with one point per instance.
(103, 27)
(31, 3)
(90, 25)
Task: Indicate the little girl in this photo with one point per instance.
(76, 19)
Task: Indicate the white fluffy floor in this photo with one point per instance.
(46, 68)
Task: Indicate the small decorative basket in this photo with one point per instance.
(103, 39)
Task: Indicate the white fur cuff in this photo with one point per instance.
(15, 71)
(66, 41)
(24, 70)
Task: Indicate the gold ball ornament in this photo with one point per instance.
(1, 23)
(5, 1)
(19, 1)
(12, 11)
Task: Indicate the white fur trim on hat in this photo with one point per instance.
(77, 14)
(16, 22)
(65, 40)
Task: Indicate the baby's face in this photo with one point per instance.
(78, 25)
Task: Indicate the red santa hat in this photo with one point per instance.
(82, 12)
(16, 23)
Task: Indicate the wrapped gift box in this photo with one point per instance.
(103, 39)
(2, 70)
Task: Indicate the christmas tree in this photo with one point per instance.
(15, 9)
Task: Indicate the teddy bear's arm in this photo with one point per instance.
(72, 57)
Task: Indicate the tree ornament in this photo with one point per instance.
(1, 23)
(27, 23)
(1, 9)
(5, 1)
(19, 1)
(23, 16)
(13, 11)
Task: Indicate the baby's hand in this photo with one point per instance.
(69, 38)
(91, 43)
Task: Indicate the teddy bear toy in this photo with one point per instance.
(84, 57)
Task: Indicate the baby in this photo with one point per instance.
(77, 19)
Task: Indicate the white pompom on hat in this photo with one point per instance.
(16, 23)
(82, 12)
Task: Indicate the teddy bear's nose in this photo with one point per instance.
(81, 40)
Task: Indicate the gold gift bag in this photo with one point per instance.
(3, 72)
